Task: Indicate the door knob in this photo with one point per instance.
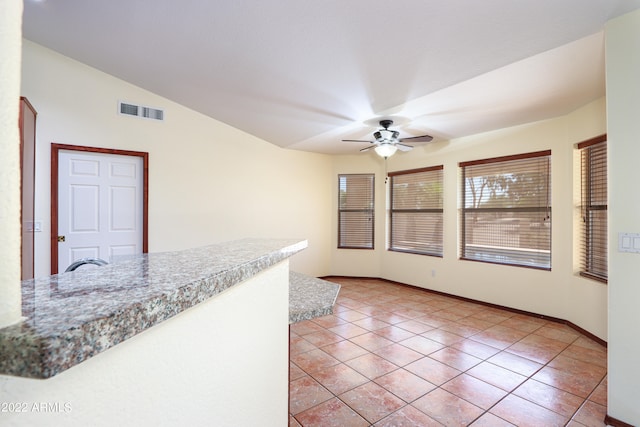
(61, 239)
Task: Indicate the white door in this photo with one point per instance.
(100, 206)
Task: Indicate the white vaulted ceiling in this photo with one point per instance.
(304, 74)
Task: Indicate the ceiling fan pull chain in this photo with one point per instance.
(386, 174)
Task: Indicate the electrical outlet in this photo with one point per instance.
(433, 273)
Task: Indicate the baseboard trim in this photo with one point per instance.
(610, 421)
(489, 304)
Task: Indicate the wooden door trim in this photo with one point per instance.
(25, 104)
(55, 150)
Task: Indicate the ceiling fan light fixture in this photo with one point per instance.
(386, 150)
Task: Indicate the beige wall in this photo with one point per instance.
(10, 42)
(208, 182)
(623, 109)
(559, 293)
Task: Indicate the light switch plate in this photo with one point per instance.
(629, 242)
(33, 226)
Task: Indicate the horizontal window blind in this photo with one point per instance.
(356, 211)
(416, 211)
(506, 210)
(593, 245)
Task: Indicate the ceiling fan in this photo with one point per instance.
(387, 142)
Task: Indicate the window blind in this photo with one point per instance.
(506, 210)
(416, 211)
(356, 211)
(593, 245)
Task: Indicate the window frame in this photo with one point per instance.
(509, 255)
(588, 180)
(370, 241)
(439, 179)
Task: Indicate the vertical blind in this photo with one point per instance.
(356, 211)
(416, 211)
(506, 210)
(593, 162)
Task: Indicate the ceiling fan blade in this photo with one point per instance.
(403, 147)
(422, 138)
(368, 148)
(356, 140)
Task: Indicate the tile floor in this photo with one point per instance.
(391, 355)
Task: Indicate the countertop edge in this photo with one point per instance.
(310, 297)
(24, 353)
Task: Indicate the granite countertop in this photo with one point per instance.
(310, 297)
(71, 317)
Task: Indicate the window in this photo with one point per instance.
(593, 206)
(416, 211)
(355, 211)
(506, 210)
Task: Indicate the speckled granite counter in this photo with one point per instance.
(71, 317)
(310, 297)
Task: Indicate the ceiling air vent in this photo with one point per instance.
(140, 111)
